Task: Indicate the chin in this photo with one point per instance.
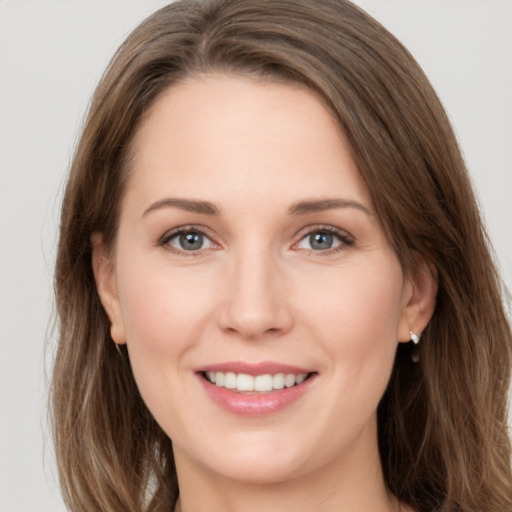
(260, 472)
(251, 459)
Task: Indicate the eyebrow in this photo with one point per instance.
(321, 205)
(298, 208)
(189, 205)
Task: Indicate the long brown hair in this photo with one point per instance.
(442, 422)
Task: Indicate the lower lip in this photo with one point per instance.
(255, 404)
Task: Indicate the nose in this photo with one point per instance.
(256, 304)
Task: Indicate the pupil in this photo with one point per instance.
(321, 241)
(191, 241)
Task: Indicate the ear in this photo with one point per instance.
(104, 275)
(419, 300)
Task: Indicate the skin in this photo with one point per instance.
(256, 291)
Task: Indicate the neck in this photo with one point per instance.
(279, 498)
(349, 483)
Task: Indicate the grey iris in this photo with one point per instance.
(191, 241)
(321, 241)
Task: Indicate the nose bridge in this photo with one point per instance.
(256, 302)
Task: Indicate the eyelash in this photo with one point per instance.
(183, 230)
(344, 238)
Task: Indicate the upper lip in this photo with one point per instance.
(261, 368)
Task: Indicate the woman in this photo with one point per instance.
(273, 284)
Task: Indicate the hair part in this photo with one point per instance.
(442, 422)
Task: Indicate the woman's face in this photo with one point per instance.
(249, 253)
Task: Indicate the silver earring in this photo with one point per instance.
(415, 337)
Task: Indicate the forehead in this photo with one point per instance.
(218, 132)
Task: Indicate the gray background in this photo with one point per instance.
(52, 54)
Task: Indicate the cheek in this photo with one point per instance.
(359, 332)
(357, 321)
(161, 307)
(163, 316)
(361, 303)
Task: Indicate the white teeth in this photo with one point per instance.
(289, 380)
(244, 382)
(259, 383)
(300, 378)
(263, 383)
(230, 380)
(278, 381)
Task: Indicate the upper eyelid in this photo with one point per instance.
(203, 230)
(307, 230)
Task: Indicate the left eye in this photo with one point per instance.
(189, 241)
(320, 241)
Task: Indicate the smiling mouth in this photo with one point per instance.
(244, 383)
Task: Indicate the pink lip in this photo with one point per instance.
(262, 368)
(254, 404)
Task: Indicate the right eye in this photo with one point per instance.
(187, 240)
